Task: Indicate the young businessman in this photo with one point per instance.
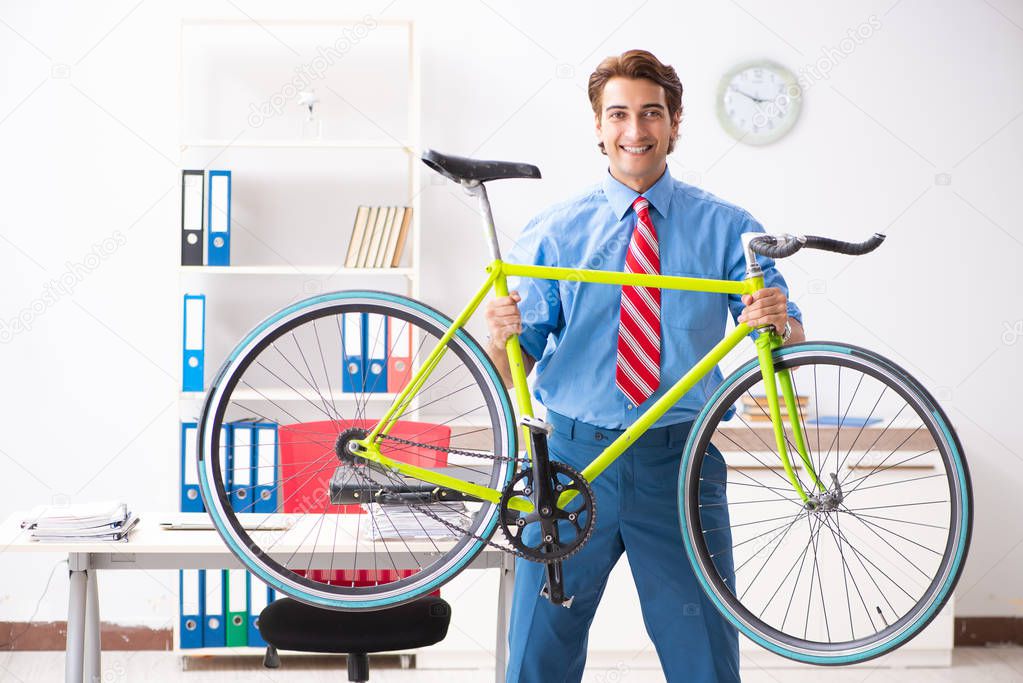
(604, 353)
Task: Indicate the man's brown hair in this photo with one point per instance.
(637, 64)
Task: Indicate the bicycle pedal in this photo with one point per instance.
(536, 425)
(565, 602)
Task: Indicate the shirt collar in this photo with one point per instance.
(621, 196)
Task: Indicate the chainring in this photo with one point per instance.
(575, 520)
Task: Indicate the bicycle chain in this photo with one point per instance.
(456, 451)
(474, 454)
(457, 529)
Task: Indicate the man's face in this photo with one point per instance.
(636, 130)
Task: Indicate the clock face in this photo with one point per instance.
(758, 102)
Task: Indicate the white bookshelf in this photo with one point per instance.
(325, 270)
(203, 146)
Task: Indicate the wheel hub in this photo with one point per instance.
(828, 501)
(345, 440)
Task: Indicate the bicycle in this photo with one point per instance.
(833, 554)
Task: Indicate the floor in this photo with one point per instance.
(987, 665)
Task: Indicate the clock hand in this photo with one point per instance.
(746, 94)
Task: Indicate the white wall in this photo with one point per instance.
(89, 393)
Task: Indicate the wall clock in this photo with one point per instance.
(758, 102)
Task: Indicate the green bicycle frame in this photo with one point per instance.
(498, 271)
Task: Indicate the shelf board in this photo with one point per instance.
(300, 144)
(305, 271)
(285, 395)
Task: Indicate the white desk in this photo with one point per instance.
(151, 547)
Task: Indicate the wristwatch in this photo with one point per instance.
(786, 333)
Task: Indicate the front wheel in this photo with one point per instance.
(871, 560)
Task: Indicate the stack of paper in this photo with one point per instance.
(402, 522)
(82, 523)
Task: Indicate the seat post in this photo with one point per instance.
(477, 189)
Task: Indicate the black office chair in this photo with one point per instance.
(287, 624)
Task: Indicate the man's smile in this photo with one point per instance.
(636, 150)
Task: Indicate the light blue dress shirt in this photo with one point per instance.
(571, 328)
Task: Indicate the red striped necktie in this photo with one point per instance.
(639, 332)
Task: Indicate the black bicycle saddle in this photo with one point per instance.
(462, 169)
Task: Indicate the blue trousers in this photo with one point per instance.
(637, 513)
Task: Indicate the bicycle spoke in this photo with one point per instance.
(326, 373)
(792, 446)
(742, 483)
(845, 583)
(875, 525)
(783, 580)
(761, 462)
(758, 521)
(877, 438)
(815, 572)
(383, 509)
(861, 557)
(795, 586)
(904, 505)
(898, 464)
(270, 400)
(903, 521)
(319, 528)
(781, 540)
(312, 377)
(870, 527)
(395, 479)
(847, 569)
(877, 468)
(870, 415)
(772, 489)
(895, 483)
(817, 412)
(345, 364)
(784, 528)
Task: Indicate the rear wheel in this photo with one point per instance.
(302, 512)
(865, 566)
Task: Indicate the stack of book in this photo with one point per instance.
(378, 236)
(398, 521)
(755, 408)
(87, 523)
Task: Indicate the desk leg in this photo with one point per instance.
(78, 578)
(504, 598)
(92, 633)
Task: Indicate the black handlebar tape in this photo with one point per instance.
(768, 245)
(839, 247)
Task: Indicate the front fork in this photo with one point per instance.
(766, 343)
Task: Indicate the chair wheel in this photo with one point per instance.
(271, 660)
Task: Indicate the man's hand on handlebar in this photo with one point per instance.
(768, 306)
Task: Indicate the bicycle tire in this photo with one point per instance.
(730, 601)
(437, 565)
